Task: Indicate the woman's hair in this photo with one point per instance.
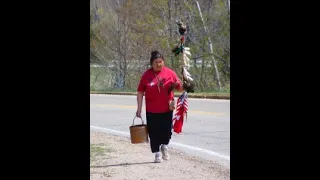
(155, 55)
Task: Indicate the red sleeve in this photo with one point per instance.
(142, 83)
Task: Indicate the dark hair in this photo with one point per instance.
(155, 55)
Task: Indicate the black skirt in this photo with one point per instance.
(159, 128)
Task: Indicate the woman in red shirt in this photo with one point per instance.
(157, 84)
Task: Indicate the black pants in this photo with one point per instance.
(159, 128)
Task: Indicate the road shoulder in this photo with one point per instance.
(114, 157)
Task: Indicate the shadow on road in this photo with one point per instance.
(122, 164)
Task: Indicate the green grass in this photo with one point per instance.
(134, 91)
(210, 95)
(100, 81)
(98, 150)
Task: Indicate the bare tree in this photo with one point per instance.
(210, 46)
(124, 32)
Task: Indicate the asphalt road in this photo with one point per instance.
(206, 132)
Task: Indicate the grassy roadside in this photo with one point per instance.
(98, 150)
(208, 95)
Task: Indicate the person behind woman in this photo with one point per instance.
(157, 84)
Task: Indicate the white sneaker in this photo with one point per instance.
(158, 158)
(165, 153)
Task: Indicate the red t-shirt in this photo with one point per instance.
(158, 102)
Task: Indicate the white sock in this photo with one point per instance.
(158, 154)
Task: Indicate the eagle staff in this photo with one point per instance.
(188, 86)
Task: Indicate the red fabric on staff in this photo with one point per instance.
(182, 39)
(177, 127)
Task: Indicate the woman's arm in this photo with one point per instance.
(177, 86)
(141, 89)
(139, 102)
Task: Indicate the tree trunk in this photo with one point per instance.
(119, 74)
(210, 46)
(170, 30)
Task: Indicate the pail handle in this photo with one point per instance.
(135, 118)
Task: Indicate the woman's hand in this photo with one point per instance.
(138, 113)
(173, 86)
(171, 105)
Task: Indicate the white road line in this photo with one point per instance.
(106, 130)
(121, 133)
